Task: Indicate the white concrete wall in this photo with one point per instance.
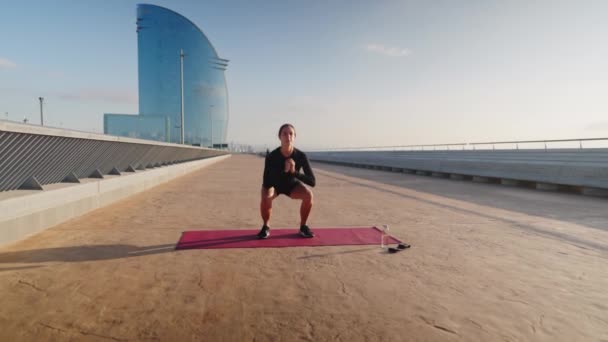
(572, 167)
(25, 212)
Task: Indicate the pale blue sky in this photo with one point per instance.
(345, 73)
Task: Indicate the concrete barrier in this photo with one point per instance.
(25, 212)
(585, 168)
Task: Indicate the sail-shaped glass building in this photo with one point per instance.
(161, 36)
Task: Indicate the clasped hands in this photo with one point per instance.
(290, 166)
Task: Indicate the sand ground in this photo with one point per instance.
(487, 263)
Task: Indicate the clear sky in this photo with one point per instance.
(345, 73)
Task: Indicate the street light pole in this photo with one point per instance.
(41, 99)
(181, 66)
(211, 119)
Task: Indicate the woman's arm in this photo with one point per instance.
(267, 178)
(308, 176)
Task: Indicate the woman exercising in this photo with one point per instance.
(282, 176)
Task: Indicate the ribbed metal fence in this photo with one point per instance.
(32, 156)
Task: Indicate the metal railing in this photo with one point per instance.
(516, 144)
(32, 156)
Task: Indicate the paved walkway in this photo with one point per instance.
(487, 263)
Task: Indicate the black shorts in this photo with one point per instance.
(285, 189)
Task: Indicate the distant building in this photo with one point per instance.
(161, 34)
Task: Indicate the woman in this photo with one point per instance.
(282, 176)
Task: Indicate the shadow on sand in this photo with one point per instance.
(79, 253)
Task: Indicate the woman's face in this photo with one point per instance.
(288, 135)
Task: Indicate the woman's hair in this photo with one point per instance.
(286, 125)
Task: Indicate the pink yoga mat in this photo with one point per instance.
(241, 238)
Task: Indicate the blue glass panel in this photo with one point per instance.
(138, 126)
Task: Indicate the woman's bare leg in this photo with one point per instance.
(303, 193)
(267, 195)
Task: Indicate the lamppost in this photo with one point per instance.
(220, 124)
(181, 74)
(211, 119)
(41, 99)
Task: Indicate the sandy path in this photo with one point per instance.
(488, 263)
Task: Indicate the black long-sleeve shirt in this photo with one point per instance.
(274, 169)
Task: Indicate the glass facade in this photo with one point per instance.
(138, 126)
(161, 35)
